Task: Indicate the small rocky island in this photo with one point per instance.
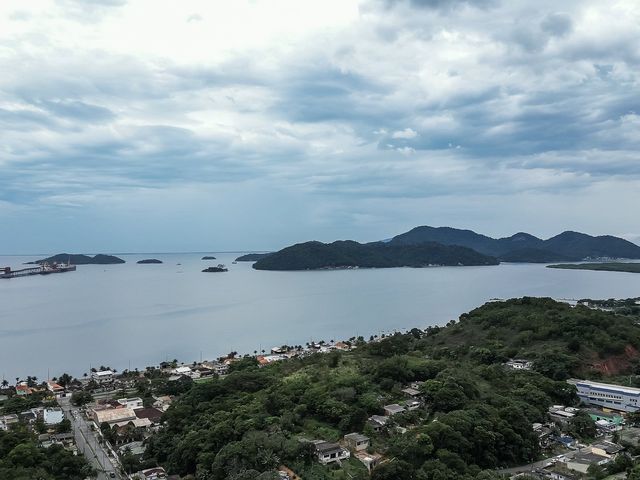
(208, 258)
(149, 260)
(75, 259)
(219, 268)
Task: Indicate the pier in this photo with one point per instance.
(45, 269)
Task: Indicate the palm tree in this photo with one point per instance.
(5, 384)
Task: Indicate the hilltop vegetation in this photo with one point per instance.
(245, 425)
(346, 254)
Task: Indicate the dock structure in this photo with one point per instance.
(6, 272)
(45, 269)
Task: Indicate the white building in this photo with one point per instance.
(53, 416)
(103, 376)
(331, 452)
(184, 370)
(132, 403)
(615, 397)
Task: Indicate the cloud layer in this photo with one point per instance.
(284, 122)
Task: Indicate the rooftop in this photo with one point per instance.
(605, 386)
(356, 437)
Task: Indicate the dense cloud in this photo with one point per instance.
(369, 117)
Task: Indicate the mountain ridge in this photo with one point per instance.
(524, 247)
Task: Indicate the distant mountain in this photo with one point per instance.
(252, 257)
(349, 254)
(523, 247)
(76, 259)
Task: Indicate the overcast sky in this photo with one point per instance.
(148, 125)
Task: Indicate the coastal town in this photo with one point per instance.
(109, 417)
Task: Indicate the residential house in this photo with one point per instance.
(582, 461)
(186, 371)
(606, 449)
(377, 422)
(23, 390)
(356, 441)
(53, 387)
(393, 409)
(153, 414)
(328, 452)
(519, 364)
(163, 402)
(412, 404)
(53, 416)
(412, 392)
(369, 460)
(7, 420)
(103, 376)
(612, 418)
(155, 473)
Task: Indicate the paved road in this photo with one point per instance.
(88, 444)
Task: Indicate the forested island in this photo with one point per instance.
(208, 257)
(606, 267)
(149, 261)
(252, 257)
(349, 254)
(477, 414)
(77, 259)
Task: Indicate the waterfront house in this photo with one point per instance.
(328, 452)
(357, 441)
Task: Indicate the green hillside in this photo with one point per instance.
(243, 426)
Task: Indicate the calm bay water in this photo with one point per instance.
(136, 315)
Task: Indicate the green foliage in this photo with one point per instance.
(21, 458)
(81, 397)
